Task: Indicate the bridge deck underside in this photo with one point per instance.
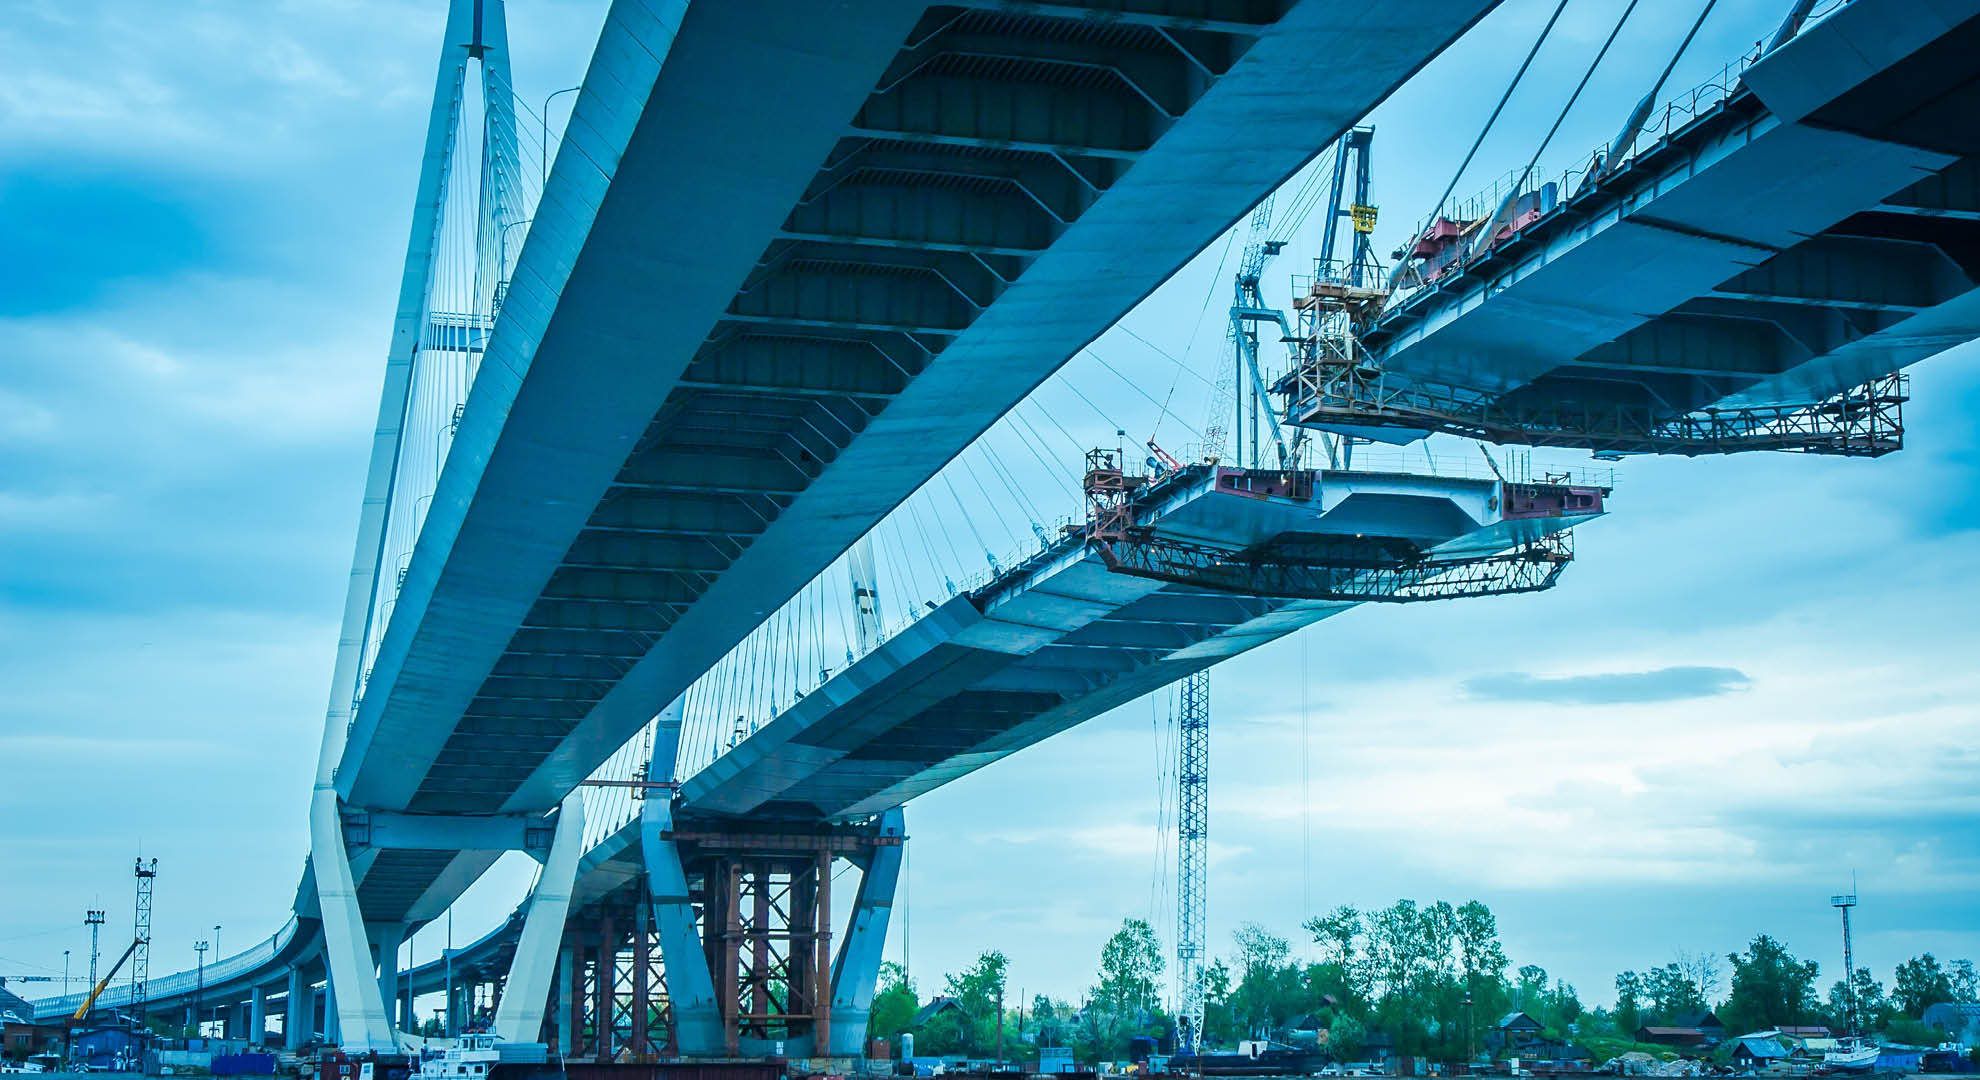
(1819, 229)
(822, 253)
(1053, 644)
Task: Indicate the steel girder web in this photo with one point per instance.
(1863, 421)
(1312, 566)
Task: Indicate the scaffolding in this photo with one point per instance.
(1336, 385)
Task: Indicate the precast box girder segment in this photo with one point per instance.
(1065, 637)
(1750, 279)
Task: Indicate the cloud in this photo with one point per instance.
(1609, 688)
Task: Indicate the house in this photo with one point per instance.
(1514, 1035)
(1683, 1038)
(936, 1006)
(1705, 1021)
(1959, 1020)
(107, 1047)
(1805, 1031)
(1758, 1051)
(20, 1036)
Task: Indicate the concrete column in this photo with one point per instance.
(299, 1017)
(697, 1014)
(519, 1011)
(566, 998)
(857, 967)
(346, 945)
(257, 1005)
(333, 1019)
(388, 938)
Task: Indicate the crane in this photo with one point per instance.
(82, 1011)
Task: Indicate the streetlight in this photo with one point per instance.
(65, 973)
(199, 991)
(543, 151)
(217, 954)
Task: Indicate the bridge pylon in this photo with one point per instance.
(433, 344)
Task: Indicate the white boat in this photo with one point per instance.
(472, 1057)
(1854, 1055)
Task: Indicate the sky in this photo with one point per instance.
(1753, 683)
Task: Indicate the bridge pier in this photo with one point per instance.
(760, 977)
(298, 1021)
(257, 1006)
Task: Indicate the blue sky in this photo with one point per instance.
(1755, 679)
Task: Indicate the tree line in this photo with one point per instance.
(1430, 980)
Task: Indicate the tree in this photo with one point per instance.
(1479, 953)
(1921, 984)
(1336, 933)
(894, 1004)
(1869, 1004)
(1345, 1037)
(1770, 988)
(1130, 962)
(1671, 992)
(1629, 1003)
(1965, 985)
(971, 1027)
(1704, 971)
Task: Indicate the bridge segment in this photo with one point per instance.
(789, 261)
(1752, 274)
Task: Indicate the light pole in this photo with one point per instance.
(217, 954)
(544, 149)
(65, 973)
(199, 992)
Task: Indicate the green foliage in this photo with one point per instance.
(1921, 984)
(1872, 1010)
(894, 1004)
(1130, 963)
(1770, 988)
(971, 1027)
(1629, 1003)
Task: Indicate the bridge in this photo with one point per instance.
(788, 264)
(1750, 268)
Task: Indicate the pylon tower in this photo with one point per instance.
(141, 928)
(1192, 863)
(94, 920)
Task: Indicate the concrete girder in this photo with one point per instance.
(1872, 273)
(649, 617)
(1162, 77)
(628, 509)
(1195, 15)
(1953, 191)
(708, 468)
(882, 209)
(612, 549)
(577, 642)
(969, 277)
(446, 832)
(645, 585)
(868, 296)
(1051, 185)
(1013, 257)
(768, 364)
(1021, 104)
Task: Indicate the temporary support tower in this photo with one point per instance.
(1192, 842)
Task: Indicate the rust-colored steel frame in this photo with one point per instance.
(1348, 569)
(1863, 421)
(620, 1010)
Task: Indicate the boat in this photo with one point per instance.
(1854, 1055)
(473, 1057)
